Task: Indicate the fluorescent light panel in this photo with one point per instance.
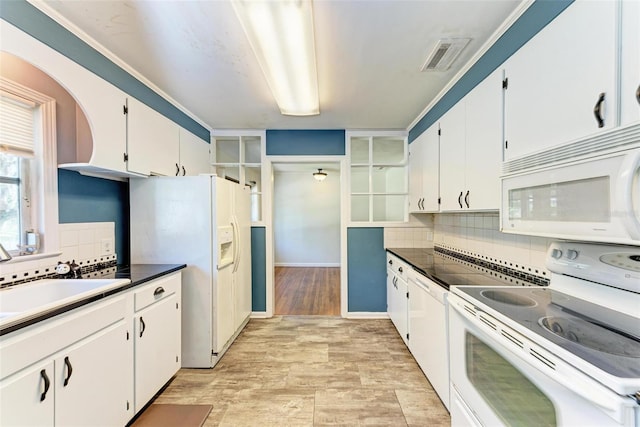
(281, 36)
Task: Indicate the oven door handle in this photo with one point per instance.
(625, 193)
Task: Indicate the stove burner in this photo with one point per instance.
(591, 336)
(508, 298)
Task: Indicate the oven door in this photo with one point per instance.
(499, 377)
(593, 200)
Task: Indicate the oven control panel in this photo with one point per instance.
(614, 265)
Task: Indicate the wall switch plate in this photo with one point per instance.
(106, 247)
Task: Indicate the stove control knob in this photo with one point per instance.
(572, 254)
(556, 253)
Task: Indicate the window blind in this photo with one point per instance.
(16, 125)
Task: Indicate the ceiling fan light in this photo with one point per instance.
(320, 175)
(282, 38)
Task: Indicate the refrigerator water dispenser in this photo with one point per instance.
(225, 241)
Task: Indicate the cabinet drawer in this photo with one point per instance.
(399, 267)
(156, 291)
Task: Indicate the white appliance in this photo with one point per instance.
(204, 222)
(563, 355)
(593, 196)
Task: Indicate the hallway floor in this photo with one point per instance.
(312, 371)
(307, 291)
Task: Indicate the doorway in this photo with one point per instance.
(306, 224)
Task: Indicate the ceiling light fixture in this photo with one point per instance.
(281, 36)
(319, 176)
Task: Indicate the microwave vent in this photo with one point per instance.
(444, 53)
(619, 139)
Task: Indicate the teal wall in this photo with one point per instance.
(536, 17)
(258, 269)
(86, 199)
(366, 270)
(305, 142)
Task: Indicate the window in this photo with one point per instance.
(378, 178)
(28, 169)
(17, 124)
(239, 158)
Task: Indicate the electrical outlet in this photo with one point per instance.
(106, 247)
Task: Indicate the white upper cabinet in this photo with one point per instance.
(562, 84)
(416, 168)
(101, 102)
(471, 149)
(452, 158)
(424, 170)
(153, 142)
(630, 62)
(483, 148)
(194, 154)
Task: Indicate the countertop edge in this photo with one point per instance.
(171, 268)
(418, 269)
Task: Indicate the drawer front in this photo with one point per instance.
(399, 267)
(33, 343)
(157, 290)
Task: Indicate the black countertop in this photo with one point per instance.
(138, 274)
(142, 273)
(448, 268)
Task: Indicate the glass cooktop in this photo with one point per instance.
(608, 339)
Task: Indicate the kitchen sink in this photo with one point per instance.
(32, 299)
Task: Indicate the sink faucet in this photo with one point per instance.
(4, 255)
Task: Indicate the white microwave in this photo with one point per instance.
(596, 199)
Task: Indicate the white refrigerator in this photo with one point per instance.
(204, 222)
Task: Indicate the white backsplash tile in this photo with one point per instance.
(478, 234)
(79, 242)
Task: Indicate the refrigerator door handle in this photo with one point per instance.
(236, 243)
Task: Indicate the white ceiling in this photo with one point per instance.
(369, 54)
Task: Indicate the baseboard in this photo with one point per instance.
(366, 315)
(259, 315)
(306, 264)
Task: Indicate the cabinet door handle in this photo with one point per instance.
(142, 326)
(67, 363)
(466, 199)
(184, 171)
(460, 200)
(421, 204)
(597, 110)
(638, 94)
(47, 384)
(177, 170)
(159, 291)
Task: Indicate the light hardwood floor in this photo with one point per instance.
(312, 371)
(307, 291)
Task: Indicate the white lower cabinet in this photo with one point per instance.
(86, 366)
(397, 295)
(157, 337)
(69, 371)
(93, 380)
(27, 398)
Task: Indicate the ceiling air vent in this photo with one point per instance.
(443, 55)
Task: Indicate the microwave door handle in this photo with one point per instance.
(625, 196)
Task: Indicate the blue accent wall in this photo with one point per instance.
(305, 142)
(258, 269)
(86, 199)
(367, 270)
(40, 26)
(536, 17)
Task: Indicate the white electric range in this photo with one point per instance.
(563, 355)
